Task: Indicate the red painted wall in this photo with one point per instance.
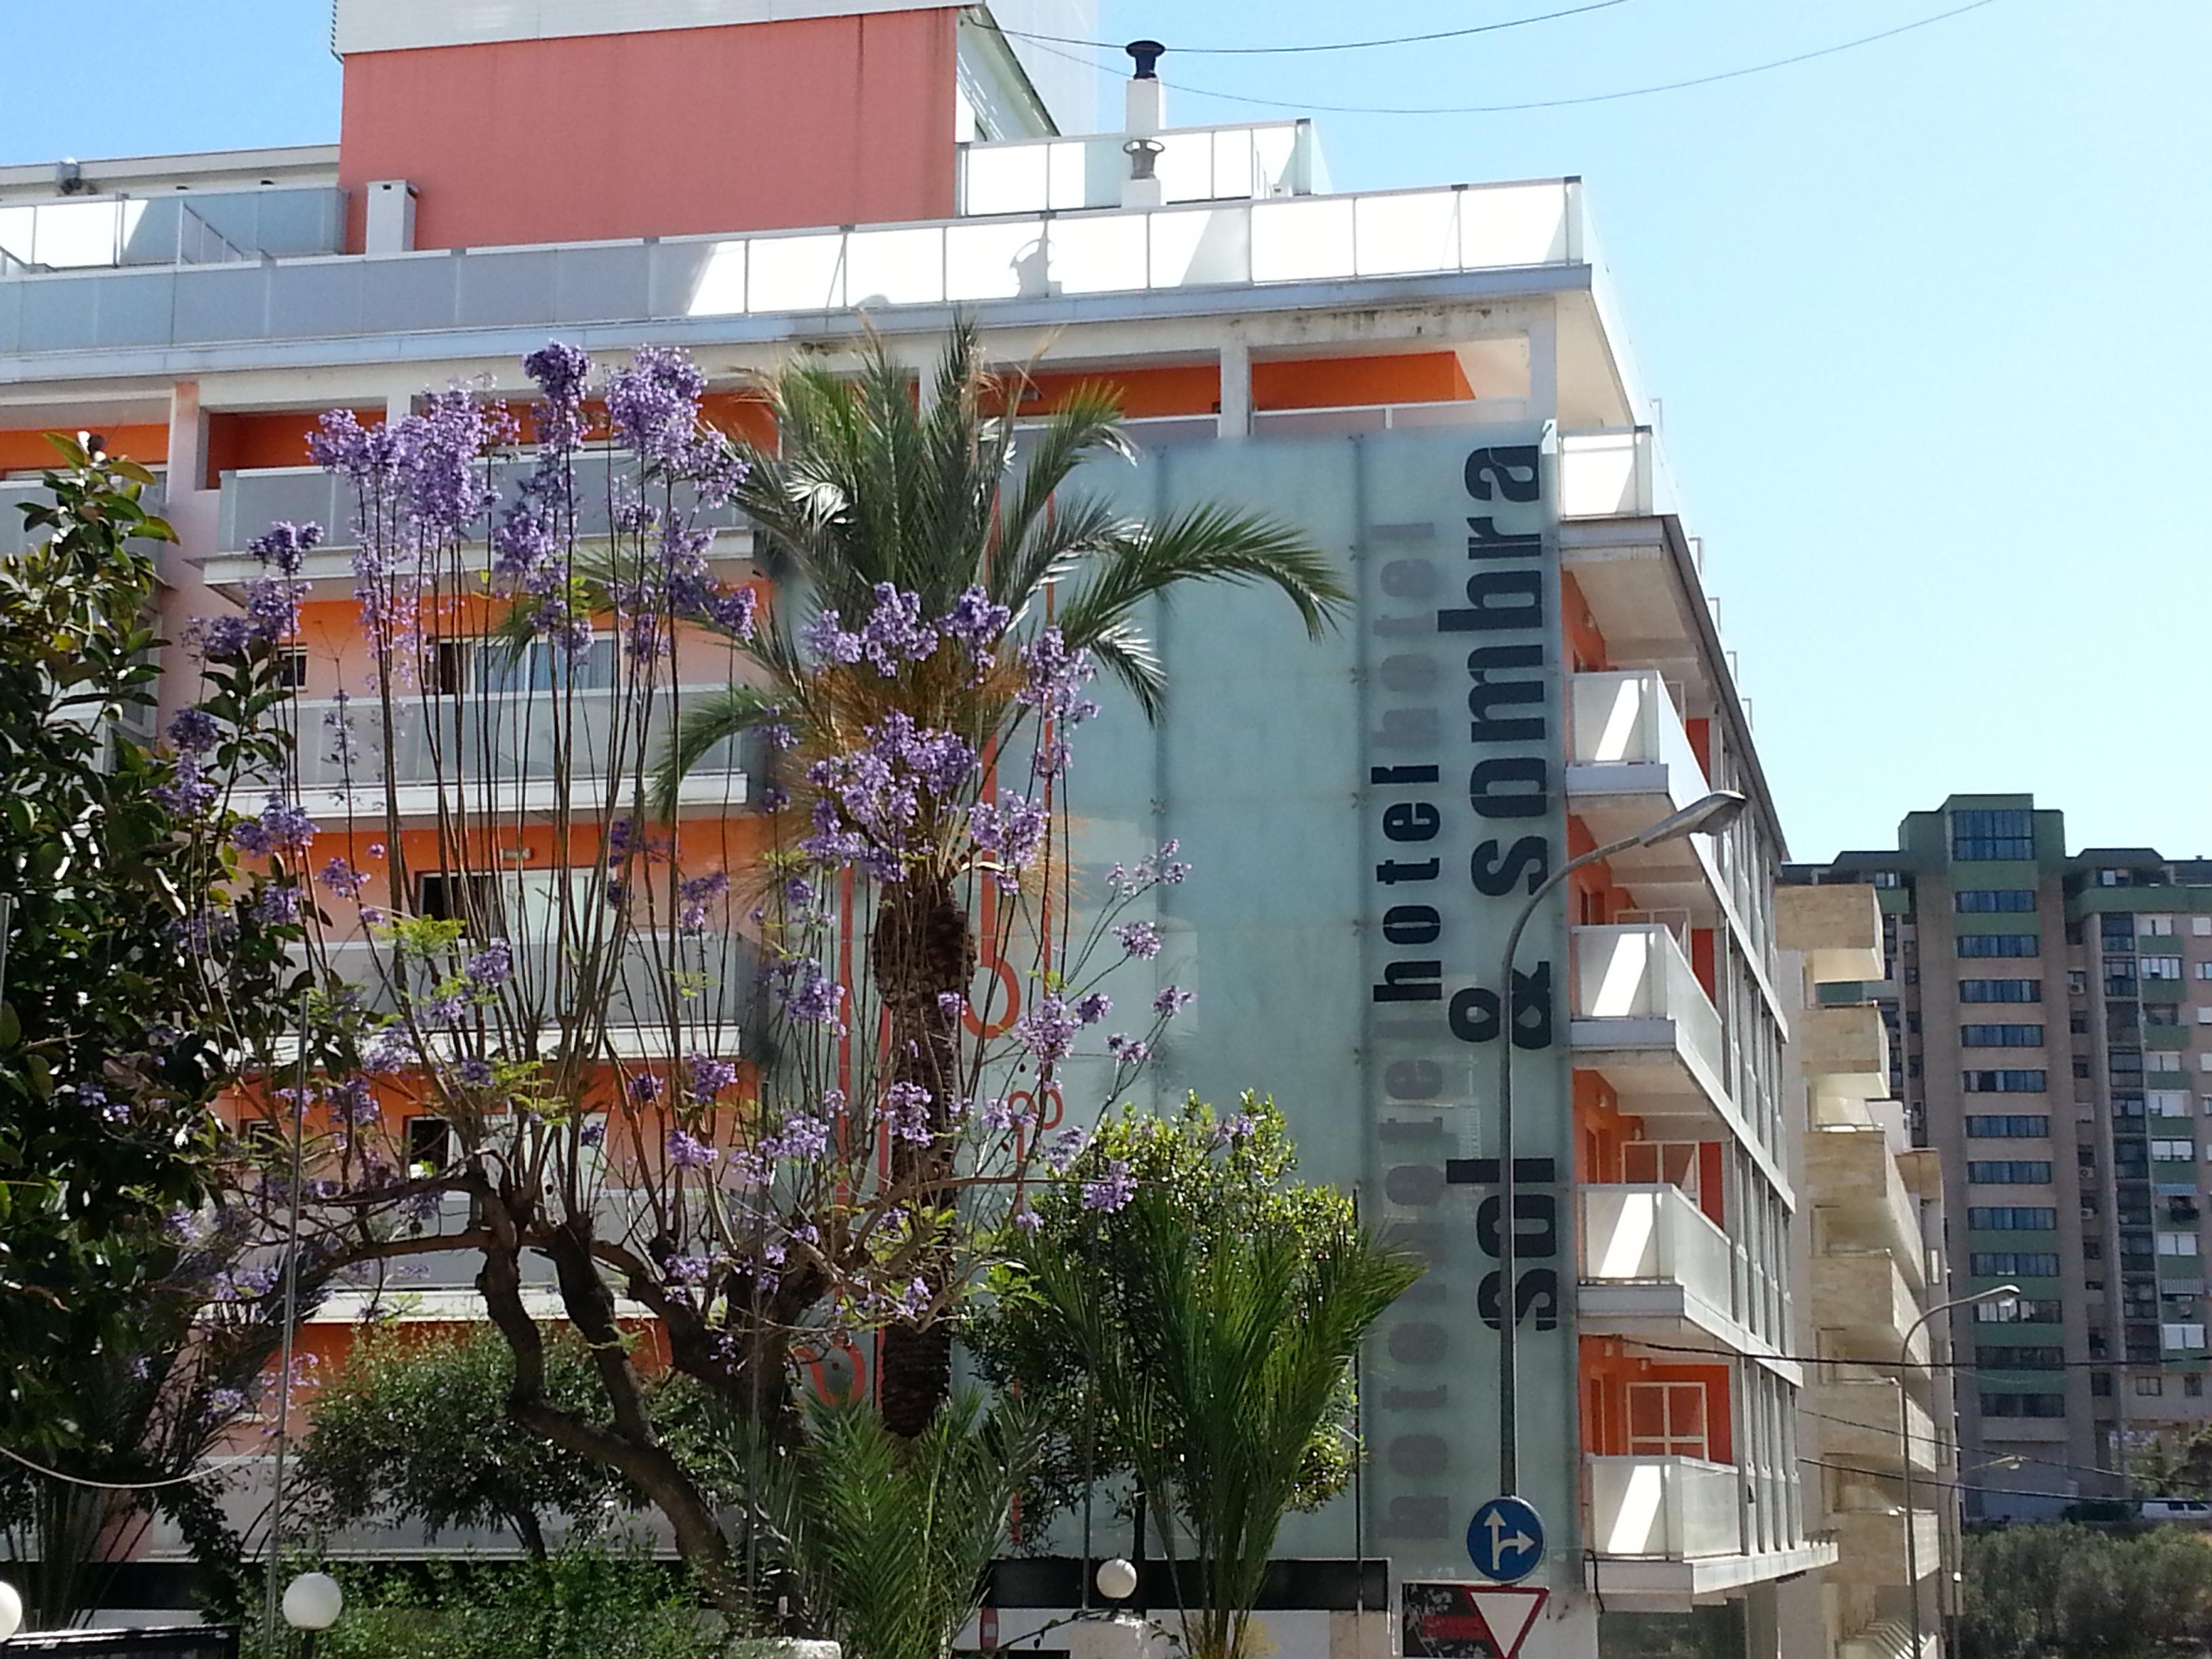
(757, 127)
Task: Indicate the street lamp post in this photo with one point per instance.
(1904, 1440)
(1707, 816)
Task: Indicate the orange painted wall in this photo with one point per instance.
(25, 449)
(1192, 389)
(1701, 734)
(1430, 377)
(819, 121)
(1608, 1368)
(1585, 643)
(1701, 959)
(1593, 898)
(237, 442)
(1601, 1129)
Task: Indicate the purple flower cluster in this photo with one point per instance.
(906, 1113)
(1002, 1116)
(354, 1102)
(341, 879)
(693, 897)
(189, 793)
(1053, 681)
(560, 372)
(1128, 1050)
(705, 1077)
(95, 1097)
(491, 967)
(1160, 869)
(1140, 939)
(871, 799)
(654, 405)
(194, 731)
(1010, 832)
(282, 827)
(277, 904)
(1048, 1029)
(1094, 1007)
(803, 1139)
(283, 547)
(1063, 1149)
(687, 1151)
(1112, 1191)
(809, 995)
(1171, 1002)
(976, 623)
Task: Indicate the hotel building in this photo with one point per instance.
(1433, 382)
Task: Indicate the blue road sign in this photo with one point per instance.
(1505, 1540)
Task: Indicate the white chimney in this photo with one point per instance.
(391, 227)
(1146, 110)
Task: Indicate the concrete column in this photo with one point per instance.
(1235, 390)
(1544, 364)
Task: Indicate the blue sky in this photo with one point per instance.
(1928, 319)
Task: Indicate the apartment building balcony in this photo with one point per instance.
(1859, 1197)
(200, 228)
(1630, 764)
(1865, 1297)
(1871, 1546)
(1837, 929)
(1641, 1019)
(1654, 1266)
(251, 500)
(655, 980)
(1891, 1639)
(1854, 1422)
(15, 536)
(1667, 1531)
(494, 753)
(1241, 161)
(1844, 1051)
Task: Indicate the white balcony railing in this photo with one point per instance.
(1664, 1509)
(1629, 719)
(1247, 163)
(1637, 976)
(656, 979)
(1612, 475)
(487, 739)
(1654, 1235)
(1228, 245)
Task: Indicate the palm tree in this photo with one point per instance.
(874, 490)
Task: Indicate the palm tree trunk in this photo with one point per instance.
(923, 950)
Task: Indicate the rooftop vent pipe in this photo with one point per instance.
(1145, 115)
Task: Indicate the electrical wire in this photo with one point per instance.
(1924, 1365)
(1553, 103)
(1335, 45)
(105, 1485)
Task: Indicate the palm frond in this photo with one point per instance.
(709, 719)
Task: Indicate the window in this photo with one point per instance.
(1985, 833)
(1885, 878)
(2163, 968)
(2205, 970)
(2176, 1244)
(2150, 1386)
(1999, 944)
(2100, 1385)
(2000, 990)
(2001, 1036)
(2193, 1385)
(2024, 1405)
(2077, 981)
(2173, 1151)
(2015, 1172)
(2025, 1358)
(2010, 1264)
(539, 665)
(2167, 1103)
(2017, 1126)
(1661, 1164)
(2006, 1083)
(2020, 1310)
(447, 895)
(429, 1143)
(2161, 1014)
(2000, 901)
(2201, 926)
(292, 668)
(2185, 1339)
(1667, 1420)
(2153, 927)
(2014, 1218)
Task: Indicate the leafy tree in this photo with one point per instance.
(1219, 1345)
(140, 964)
(416, 1428)
(2066, 1591)
(886, 1537)
(874, 501)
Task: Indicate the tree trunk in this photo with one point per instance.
(924, 948)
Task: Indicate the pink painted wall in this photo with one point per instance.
(827, 121)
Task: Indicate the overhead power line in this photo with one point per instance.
(1557, 103)
(1333, 46)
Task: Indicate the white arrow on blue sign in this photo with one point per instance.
(1505, 1540)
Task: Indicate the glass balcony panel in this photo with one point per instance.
(1640, 973)
(1654, 1234)
(1664, 1509)
(658, 978)
(1505, 225)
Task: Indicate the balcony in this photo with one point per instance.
(1241, 162)
(1226, 247)
(1859, 1197)
(1641, 1019)
(1872, 1546)
(1856, 1422)
(1842, 1051)
(1837, 929)
(1863, 1297)
(495, 752)
(205, 227)
(252, 500)
(1630, 764)
(1668, 1532)
(1612, 475)
(1653, 1266)
(662, 980)
(14, 492)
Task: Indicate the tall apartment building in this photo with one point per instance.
(2049, 1022)
(1869, 1247)
(1433, 382)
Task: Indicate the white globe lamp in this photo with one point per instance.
(313, 1602)
(1116, 1579)
(11, 1610)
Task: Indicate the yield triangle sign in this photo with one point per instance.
(1510, 1614)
